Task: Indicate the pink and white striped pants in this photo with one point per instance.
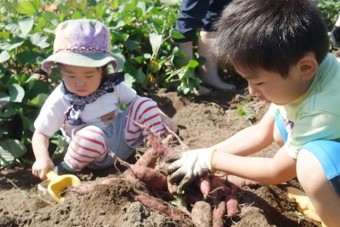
(89, 144)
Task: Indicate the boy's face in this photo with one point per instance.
(82, 81)
(272, 87)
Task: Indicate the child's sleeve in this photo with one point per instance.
(312, 126)
(50, 118)
(125, 94)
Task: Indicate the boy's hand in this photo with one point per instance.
(187, 166)
(41, 167)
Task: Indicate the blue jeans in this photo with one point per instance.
(198, 14)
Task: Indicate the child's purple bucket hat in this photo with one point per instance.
(82, 42)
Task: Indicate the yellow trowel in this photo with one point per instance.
(58, 184)
(304, 204)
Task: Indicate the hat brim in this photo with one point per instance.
(83, 60)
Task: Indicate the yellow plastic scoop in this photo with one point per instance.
(304, 205)
(58, 184)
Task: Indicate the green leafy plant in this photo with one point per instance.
(246, 113)
(330, 10)
(141, 31)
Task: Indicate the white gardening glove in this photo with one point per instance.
(189, 165)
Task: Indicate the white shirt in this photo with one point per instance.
(51, 116)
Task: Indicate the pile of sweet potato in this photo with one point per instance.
(208, 201)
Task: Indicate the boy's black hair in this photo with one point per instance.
(270, 34)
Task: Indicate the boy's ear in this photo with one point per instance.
(308, 66)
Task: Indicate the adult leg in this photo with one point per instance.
(208, 73)
(189, 21)
(318, 171)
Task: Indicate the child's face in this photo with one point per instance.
(82, 81)
(272, 87)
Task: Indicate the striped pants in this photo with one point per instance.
(89, 144)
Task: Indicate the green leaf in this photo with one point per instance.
(26, 8)
(129, 80)
(170, 2)
(176, 34)
(38, 100)
(192, 64)
(9, 151)
(155, 66)
(34, 86)
(141, 5)
(245, 113)
(179, 202)
(8, 112)
(114, 4)
(180, 191)
(131, 44)
(156, 42)
(13, 28)
(16, 93)
(131, 6)
(27, 122)
(27, 57)
(4, 97)
(9, 46)
(4, 56)
(40, 40)
(26, 26)
(141, 77)
(61, 145)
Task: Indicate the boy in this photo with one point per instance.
(281, 48)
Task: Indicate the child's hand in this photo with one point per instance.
(187, 166)
(41, 167)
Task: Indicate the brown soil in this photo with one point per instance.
(202, 122)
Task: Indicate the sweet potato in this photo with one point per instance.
(157, 145)
(151, 177)
(204, 185)
(82, 189)
(202, 214)
(217, 182)
(191, 197)
(218, 214)
(159, 205)
(88, 187)
(231, 202)
(241, 182)
(218, 189)
(149, 158)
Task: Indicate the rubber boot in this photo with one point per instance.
(187, 48)
(208, 72)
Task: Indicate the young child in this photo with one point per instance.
(281, 48)
(85, 105)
